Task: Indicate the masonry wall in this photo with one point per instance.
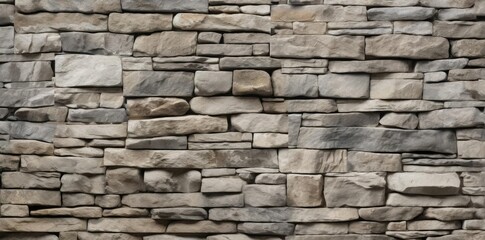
(242, 119)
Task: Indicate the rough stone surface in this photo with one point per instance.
(84, 71)
(223, 22)
(406, 46)
(139, 23)
(424, 183)
(97, 43)
(339, 189)
(158, 83)
(166, 44)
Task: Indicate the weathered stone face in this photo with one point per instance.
(405, 46)
(82, 70)
(166, 44)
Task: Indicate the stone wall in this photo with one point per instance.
(242, 119)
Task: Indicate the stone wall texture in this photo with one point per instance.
(242, 119)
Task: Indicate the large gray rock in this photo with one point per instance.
(369, 66)
(30, 180)
(231, 63)
(57, 22)
(390, 213)
(312, 161)
(171, 200)
(343, 85)
(27, 130)
(26, 71)
(42, 224)
(97, 115)
(294, 85)
(172, 181)
(166, 44)
(156, 107)
(468, 48)
(91, 131)
(252, 82)
(259, 195)
(37, 43)
(322, 46)
(170, 142)
(396, 89)
(89, 6)
(304, 190)
(460, 90)
(127, 225)
(81, 183)
(311, 105)
(340, 120)
(373, 162)
(7, 37)
(225, 105)
(387, 106)
(179, 213)
(159, 83)
(222, 22)
(30, 197)
(31, 163)
(447, 3)
(27, 97)
(191, 158)
(43, 114)
(400, 120)
(459, 29)
(374, 3)
(471, 149)
(452, 118)
(139, 23)
(378, 139)
(222, 184)
(441, 65)
(317, 13)
(124, 180)
(340, 188)
(407, 46)
(208, 83)
(97, 43)
(7, 14)
(176, 126)
(260, 122)
(399, 200)
(164, 6)
(424, 183)
(85, 70)
(400, 13)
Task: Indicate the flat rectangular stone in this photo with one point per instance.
(97, 43)
(86, 6)
(85, 70)
(317, 13)
(56, 22)
(26, 71)
(91, 131)
(344, 85)
(27, 97)
(222, 22)
(374, 3)
(27, 180)
(190, 158)
(230, 63)
(166, 44)
(323, 46)
(170, 200)
(396, 89)
(373, 162)
(221, 137)
(246, 38)
(340, 120)
(28, 130)
(41, 224)
(459, 29)
(160, 83)
(459, 90)
(129, 225)
(165, 6)
(31, 163)
(312, 161)
(397, 45)
(30, 197)
(466, 74)
(378, 139)
(370, 66)
(387, 106)
(7, 37)
(396, 199)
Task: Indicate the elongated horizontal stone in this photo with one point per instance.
(407, 46)
(97, 43)
(460, 90)
(27, 180)
(97, 115)
(56, 22)
(190, 158)
(222, 22)
(91, 131)
(27, 97)
(30, 163)
(37, 43)
(317, 13)
(164, 6)
(130, 225)
(447, 3)
(339, 189)
(441, 65)
(424, 183)
(166, 200)
(138, 22)
(89, 6)
(101, 236)
(343, 85)
(396, 89)
(26, 71)
(378, 139)
(249, 62)
(396, 199)
(80, 212)
(30, 197)
(452, 118)
(225, 105)
(260, 122)
(468, 48)
(294, 85)
(388, 106)
(42, 224)
(459, 29)
(312, 161)
(390, 213)
(374, 3)
(369, 66)
(176, 126)
(151, 83)
(323, 46)
(340, 120)
(400, 13)
(166, 44)
(84, 70)
(27, 130)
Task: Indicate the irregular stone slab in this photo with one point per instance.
(424, 183)
(473, 224)
(27, 180)
(323, 46)
(129, 225)
(270, 140)
(124, 180)
(222, 22)
(30, 197)
(29, 236)
(208, 83)
(471, 149)
(9, 162)
(459, 29)
(461, 90)
(400, 120)
(396, 89)
(281, 229)
(42, 224)
(374, 3)
(224, 50)
(172, 181)
(97, 43)
(413, 27)
(80, 183)
(27, 147)
(339, 189)
(37, 43)
(260, 122)
(7, 38)
(390, 213)
(312, 161)
(400, 13)
(378, 139)
(80, 212)
(259, 195)
(322, 228)
(32, 163)
(407, 46)
(159, 83)
(44, 114)
(204, 226)
(369, 66)
(441, 65)
(27, 130)
(179, 213)
(7, 14)
(176, 126)
(466, 74)
(57, 22)
(340, 120)
(373, 162)
(359, 28)
(231, 63)
(225, 105)
(447, 3)
(170, 200)
(387, 106)
(164, 6)
(84, 71)
(26, 71)
(190, 158)
(101, 236)
(311, 105)
(221, 137)
(396, 199)
(139, 23)
(97, 115)
(252, 82)
(468, 48)
(222, 184)
(317, 13)
(304, 190)
(433, 225)
(91, 131)
(166, 44)
(451, 118)
(90, 6)
(294, 85)
(343, 85)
